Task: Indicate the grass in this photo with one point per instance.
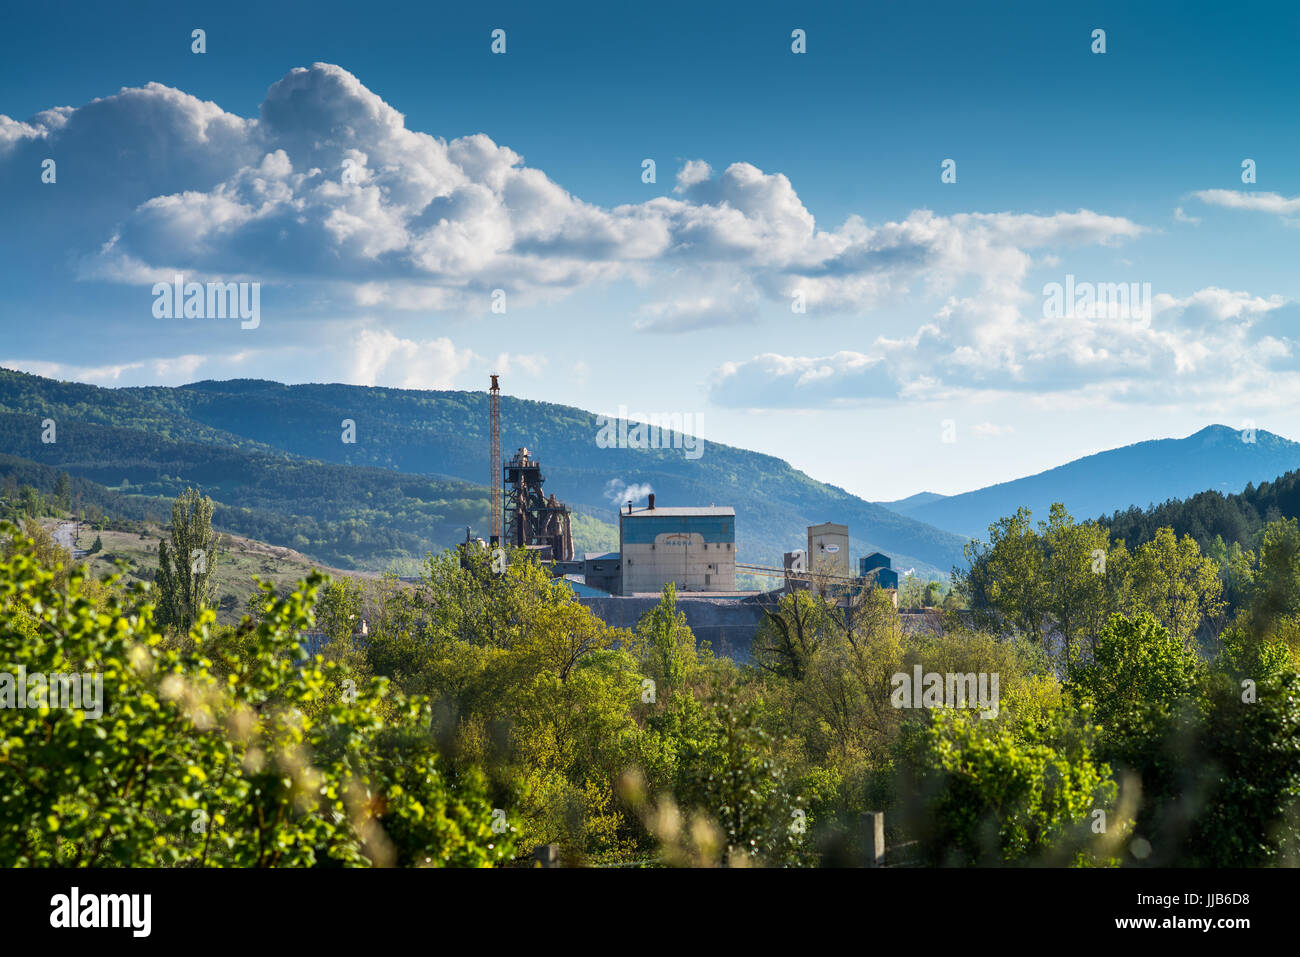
(239, 559)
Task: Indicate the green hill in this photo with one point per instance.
(273, 455)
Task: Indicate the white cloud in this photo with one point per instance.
(110, 374)
(329, 185)
(731, 307)
(533, 365)
(378, 356)
(1198, 349)
(1273, 203)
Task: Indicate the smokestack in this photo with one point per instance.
(652, 499)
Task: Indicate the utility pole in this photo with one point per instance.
(494, 406)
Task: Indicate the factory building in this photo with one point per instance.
(878, 568)
(602, 570)
(828, 550)
(691, 546)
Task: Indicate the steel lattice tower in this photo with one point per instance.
(494, 404)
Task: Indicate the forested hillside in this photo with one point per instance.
(245, 442)
(1210, 515)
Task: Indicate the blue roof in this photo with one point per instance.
(644, 529)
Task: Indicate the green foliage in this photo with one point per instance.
(220, 751)
(791, 633)
(1217, 765)
(664, 645)
(1137, 676)
(994, 792)
(735, 772)
(186, 564)
(1065, 580)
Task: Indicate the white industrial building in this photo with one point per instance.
(693, 547)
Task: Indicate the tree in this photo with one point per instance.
(1175, 583)
(185, 567)
(997, 792)
(737, 776)
(1005, 580)
(198, 756)
(664, 645)
(791, 633)
(1077, 569)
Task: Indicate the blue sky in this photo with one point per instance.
(777, 174)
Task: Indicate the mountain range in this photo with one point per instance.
(1216, 458)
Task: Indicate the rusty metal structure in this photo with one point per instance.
(494, 411)
(534, 519)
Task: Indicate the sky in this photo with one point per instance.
(800, 277)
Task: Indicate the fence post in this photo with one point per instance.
(547, 855)
(873, 828)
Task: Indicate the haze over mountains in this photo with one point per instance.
(272, 455)
(1216, 458)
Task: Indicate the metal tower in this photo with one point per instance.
(494, 405)
(532, 517)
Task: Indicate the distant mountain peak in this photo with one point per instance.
(1216, 457)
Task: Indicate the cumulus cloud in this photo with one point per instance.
(329, 188)
(328, 184)
(1206, 346)
(379, 356)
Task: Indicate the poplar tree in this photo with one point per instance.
(185, 566)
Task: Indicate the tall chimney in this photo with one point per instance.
(652, 499)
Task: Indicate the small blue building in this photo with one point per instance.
(878, 567)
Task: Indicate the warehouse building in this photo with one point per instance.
(691, 546)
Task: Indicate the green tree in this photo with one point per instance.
(664, 645)
(186, 565)
(1175, 583)
(736, 775)
(63, 492)
(1005, 582)
(195, 755)
(1000, 792)
(1078, 576)
(791, 634)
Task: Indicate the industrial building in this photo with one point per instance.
(694, 547)
(603, 570)
(877, 568)
(828, 549)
